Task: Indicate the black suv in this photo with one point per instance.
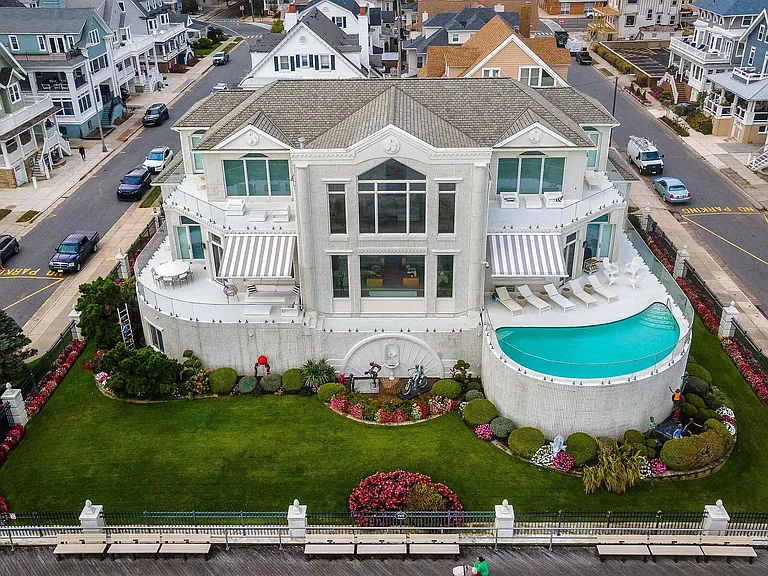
(133, 184)
(584, 58)
(155, 115)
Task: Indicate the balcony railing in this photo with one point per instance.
(60, 56)
(716, 109)
(748, 74)
(33, 107)
(701, 53)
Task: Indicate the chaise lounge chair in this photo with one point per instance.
(509, 302)
(602, 290)
(559, 299)
(578, 291)
(534, 301)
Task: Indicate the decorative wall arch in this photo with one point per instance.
(396, 353)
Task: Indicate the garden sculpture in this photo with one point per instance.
(262, 366)
(558, 445)
(373, 372)
(417, 383)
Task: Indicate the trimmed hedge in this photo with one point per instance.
(293, 381)
(692, 452)
(690, 410)
(695, 400)
(633, 437)
(698, 386)
(473, 395)
(474, 385)
(525, 441)
(271, 382)
(501, 427)
(699, 372)
(222, 380)
(447, 388)
(479, 411)
(718, 427)
(328, 391)
(717, 398)
(248, 384)
(582, 447)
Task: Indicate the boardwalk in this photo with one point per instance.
(269, 561)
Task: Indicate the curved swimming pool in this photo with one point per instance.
(600, 351)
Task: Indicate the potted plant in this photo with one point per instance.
(565, 291)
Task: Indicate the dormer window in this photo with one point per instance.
(93, 37)
(455, 38)
(14, 94)
(41, 43)
(340, 21)
(151, 25)
(163, 18)
(14, 43)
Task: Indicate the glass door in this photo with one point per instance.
(569, 253)
(190, 239)
(599, 235)
(604, 247)
(217, 254)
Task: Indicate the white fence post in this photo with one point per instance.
(505, 521)
(74, 316)
(646, 214)
(122, 261)
(92, 518)
(716, 519)
(13, 399)
(297, 520)
(680, 260)
(729, 314)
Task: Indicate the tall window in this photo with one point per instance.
(337, 208)
(84, 102)
(41, 45)
(197, 158)
(392, 199)
(252, 176)
(14, 94)
(446, 213)
(530, 175)
(535, 76)
(761, 33)
(751, 59)
(340, 275)
(592, 154)
(445, 276)
(14, 42)
(93, 37)
(392, 276)
(190, 239)
(156, 337)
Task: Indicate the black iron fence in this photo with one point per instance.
(138, 245)
(31, 382)
(566, 521)
(421, 519)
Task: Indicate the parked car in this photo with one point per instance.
(74, 251)
(8, 247)
(155, 115)
(158, 159)
(134, 184)
(220, 58)
(220, 86)
(584, 58)
(672, 189)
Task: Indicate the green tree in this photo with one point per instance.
(277, 26)
(190, 6)
(98, 303)
(142, 373)
(13, 348)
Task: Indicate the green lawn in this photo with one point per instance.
(151, 198)
(259, 453)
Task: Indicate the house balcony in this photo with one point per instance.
(748, 74)
(701, 53)
(133, 47)
(34, 106)
(58, 57)
(717, 110)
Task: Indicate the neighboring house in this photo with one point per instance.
(30, 142)
(375, 221)
(311, 47)
(714, 47)
(635, 19)
(429, 8)
(574, 7)
(197, 30)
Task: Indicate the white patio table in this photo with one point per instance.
(171, 272)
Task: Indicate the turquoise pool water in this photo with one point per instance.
(600, 351)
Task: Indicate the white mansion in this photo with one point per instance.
(362, 220)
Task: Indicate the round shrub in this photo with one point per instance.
(651, 443)
(703, 414)
(525, 441)
(698, 386)
(582, 447)
(501, 427)
(718, 399)
(692, 452)
(714, 415)
(247, 384)
(479, 411)
(271, 383)
(293, 380)
(699, 372)
(448, 389)
(695, 400)
(633, 437)
(474, 385)
(473, 394)
(328, 391)
(690, 410)
(222, 380)
(718, 427)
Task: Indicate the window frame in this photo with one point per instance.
(194, 138)
(153, 331)
(751, 58)
(339, 293)
(13, 42)
(445, 189)
(491, 72)
(14, 93)
(93, 36)
(761, 33)
(445, 270)
(455, 37)
(268, 174)
(626, 20)
(42, 45)
(376, 194)
(323, 59)
(284, 60)
(81, 100)
(334, 190)
(518, 182)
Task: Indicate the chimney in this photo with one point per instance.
(498, 8)
(524, 26)
(362, 33)
(291, 18)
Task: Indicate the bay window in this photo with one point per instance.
(256, 176)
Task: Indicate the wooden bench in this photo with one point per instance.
(623, 551)
(623, 539)
(728, 540)
(134, 545)
(433, 544)
(79, 544)
(675, 551)
(382, 549)
(674, 539)
(381, 544)
(329, 545)
(729, 552)
(185, 544)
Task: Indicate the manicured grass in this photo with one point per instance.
(4, 212)
(200, 52)
(150, 199)
(28, 216)
(231, 45)
(259, 453)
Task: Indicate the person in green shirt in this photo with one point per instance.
(481, 566)
(651, 428)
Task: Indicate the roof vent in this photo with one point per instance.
(302, 140)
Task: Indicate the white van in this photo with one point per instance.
(644, 154)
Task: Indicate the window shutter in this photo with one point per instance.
(333, 62)
(277, 64)
(317, 62)
(293, 64)
(344, 22)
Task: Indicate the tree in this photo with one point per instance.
(98, 303)
(277, 26)
(189, 6)
(13, 348)
(142, 373)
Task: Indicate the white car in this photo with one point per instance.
(220, 86)
(158, 159)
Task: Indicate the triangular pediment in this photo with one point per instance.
(535, 135)
(249, 137)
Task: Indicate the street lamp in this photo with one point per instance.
(615, 90)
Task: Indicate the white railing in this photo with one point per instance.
(198, 208)
(716, 109)
(702, 54)
(34, 105)
(748, 74)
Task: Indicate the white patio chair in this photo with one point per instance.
(602, 290)
(633, 267)
(558, 298)
(610, 271)
(635, 280)
(534, 301)
(578, 291)
(509, 302)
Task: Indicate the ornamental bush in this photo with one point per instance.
(582, 447)
(271, 383)
(692, 452)
(473, 394)
(501, 427)
(424, 498)
(720, 428)
(717, 398)
(525, 441)
(248, 384)
(474, 385)
(690, 410)
(695, 400)
(222, 380)
(714, 414)
(447, 388)
(633, 437)
(698, 386)
(479, 411)
(328, 391)
(144, 373)
(293, 380)
(699, 372)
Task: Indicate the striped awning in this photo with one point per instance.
(258, 256)
(526, 255)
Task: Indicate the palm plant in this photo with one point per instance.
(617, 468)
(317, 372)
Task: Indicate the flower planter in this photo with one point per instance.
(544, 295)
(566, 292)
(588, 288)
(520, 300)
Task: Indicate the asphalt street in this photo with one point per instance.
(93, 206)
(733, 229)
(567, 24)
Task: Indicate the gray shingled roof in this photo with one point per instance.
(350, 5)
(44, 20)
(210, 110)
(11, 4)
(470, 19)
(321, 25)
(731, 7)
(446, 113)
(266, 42)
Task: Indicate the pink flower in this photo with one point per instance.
(657, 466)
(484, 432)
(339, 404)
(563, 461)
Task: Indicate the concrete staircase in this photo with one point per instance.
(682, 92)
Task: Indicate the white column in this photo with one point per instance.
(680, 260)
(477, 244)
(297, 520)
(92, 518)
(122, 260)
(716, 519)
(74, 315)
(646, 214)
(306, 245)
(729, 314)
(505, 520)
(12, 398)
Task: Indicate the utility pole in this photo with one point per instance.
(615, 90)
(399, 28)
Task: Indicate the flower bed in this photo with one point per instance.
(364, 408)
(748, 365)
(51, 380)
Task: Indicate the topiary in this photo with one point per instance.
(699, 372)
(695, 400)
(692, 452)
(271, 382)
(650, 452)
(328, 391)
(633, 437)
(525, 441)
(651, 443)
(479, 411)
(690, 410)
(474, 385)
(717, 398)
(698, 386)
(222, 380)
(714, 415)
(247, 384)
(703, 414)
(582, 447)
(447, 388)
(293, 380)
(473, 394)
(718, 427)
(501, 427)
